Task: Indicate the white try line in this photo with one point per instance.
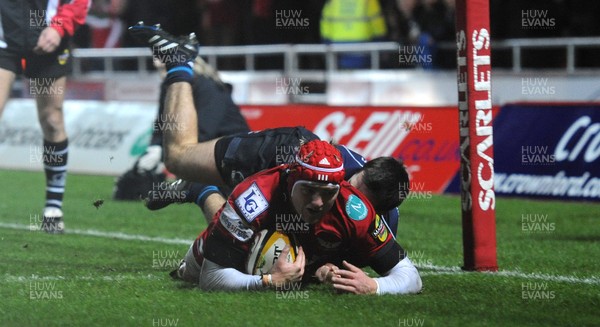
(116, 235)
(425, 270)
(116, 278)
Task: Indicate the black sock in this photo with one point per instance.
(180, 73)
(199, 192)
(55, 166)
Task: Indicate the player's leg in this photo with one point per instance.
(235, 157)
(47, 78)
(191, 265)
(184, 156)
(212, 204)
(7, 78)
(49, 99)
(10, 66)
(184, 191)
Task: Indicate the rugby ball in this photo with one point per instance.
(266, 247)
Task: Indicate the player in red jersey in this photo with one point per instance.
(343, 228)
(338, 228)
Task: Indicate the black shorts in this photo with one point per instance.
(241, 155)
(32, 65)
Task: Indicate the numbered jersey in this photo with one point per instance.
(350, 231)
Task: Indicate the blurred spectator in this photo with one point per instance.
(523, 19)
(583, 18)
(419, 25)
(262, 30)
(103, 29)
(583, 21)
(402, 27)
(106, 27)
(509, 18)
(352, 21)
(281, 22)
(221, 25)
(221, 22)
(436, 19)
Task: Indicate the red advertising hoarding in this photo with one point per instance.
(424, 137)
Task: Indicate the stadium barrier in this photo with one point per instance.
(290, 55)
(541, 150)
(360, 88)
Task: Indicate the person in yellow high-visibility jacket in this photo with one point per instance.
(352, 21)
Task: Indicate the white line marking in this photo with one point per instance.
(115, 278)
(425, 270)
(441, 270)
(117, 235)
(516, 274)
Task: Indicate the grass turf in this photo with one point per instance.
(79, 279)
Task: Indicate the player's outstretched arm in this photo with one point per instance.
(215, 277)
(403, 278)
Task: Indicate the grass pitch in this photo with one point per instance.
(111, 268)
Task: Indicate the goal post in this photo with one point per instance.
(478, 199)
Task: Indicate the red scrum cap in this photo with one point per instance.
(317, 161)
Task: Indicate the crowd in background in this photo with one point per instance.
(423, 23)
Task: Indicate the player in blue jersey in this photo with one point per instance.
(228, 160)
(383, 180)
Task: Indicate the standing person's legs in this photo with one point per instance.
(49, 99)
(7, 78)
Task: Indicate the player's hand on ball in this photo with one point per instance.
(353, 280)
(286, 272)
